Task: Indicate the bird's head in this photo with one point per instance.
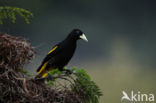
(78, 34)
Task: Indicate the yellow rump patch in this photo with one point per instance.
(44, 75)
(53, 49)
(43, 67)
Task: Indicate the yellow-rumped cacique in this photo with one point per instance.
(60, 54)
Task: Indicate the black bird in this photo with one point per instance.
(60, 54)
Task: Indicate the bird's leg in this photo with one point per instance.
(48, 76)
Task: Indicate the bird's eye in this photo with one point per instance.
(77, 32)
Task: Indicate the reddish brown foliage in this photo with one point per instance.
(14, 51)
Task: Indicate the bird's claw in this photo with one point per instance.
(68, 71)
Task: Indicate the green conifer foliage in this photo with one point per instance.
(80, 84)
(7, 12)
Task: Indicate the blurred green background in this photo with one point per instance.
(120, 54)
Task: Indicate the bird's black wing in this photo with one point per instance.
(54, 51)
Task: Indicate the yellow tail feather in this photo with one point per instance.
(43, 67)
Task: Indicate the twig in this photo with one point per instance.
(24, 83)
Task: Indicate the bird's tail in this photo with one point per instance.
(41, 71)
(43, 74)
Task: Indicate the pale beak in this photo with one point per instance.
(84, 37)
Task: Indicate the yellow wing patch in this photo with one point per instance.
(53, 49)
(43, 67)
